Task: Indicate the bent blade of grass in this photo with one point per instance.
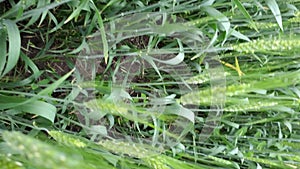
(14, 45)
(7, 102)
(177, 59)
(177, 109)
(77, 11)
(220, 17)
(272, 4)
(102, 32)
(54, 85)
(239, 35)
(40, 108)
(30, 63)
(57, 26)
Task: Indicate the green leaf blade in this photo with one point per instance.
(40, 108)
(3, 36)
(245, 13)
(14, 45)
(220, 17)
(272, 4)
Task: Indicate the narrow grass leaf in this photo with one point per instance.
(102, 32)
(30, 63)
(44, 14)
(57, 27)
(82, 46)
(14, 41)
(272, 4)
(238, 69)
(77, 11)
(21, 83)
(40, 10)
(13, 101)
(3, 36)
(231, 124)
(245, 13)
(35, 17)
(54, 85)
(239, 35)
(110, 3)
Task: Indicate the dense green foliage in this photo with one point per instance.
(149, 84)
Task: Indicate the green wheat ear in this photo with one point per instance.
(156, 162)
(151, 158)
(292, 145)
(265, 46)
(40, 154)
(204, 97)
(199, 79)
(250, 107)
(7, 163)
(126, 148)
(263, 25)
(295, 19)
(202, 78)
(106, 107)
(68, 139)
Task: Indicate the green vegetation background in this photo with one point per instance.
(44, 125)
